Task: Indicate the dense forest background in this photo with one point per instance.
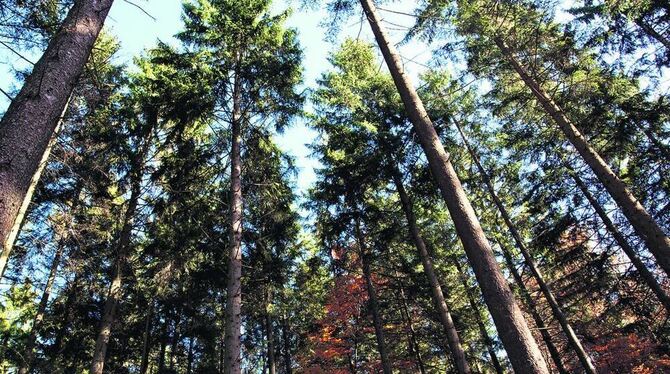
(506, 209)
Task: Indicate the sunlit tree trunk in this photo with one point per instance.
(234, 286)
(643, 223)
(523, 351)
(556, 310)
(478, 316)
(32, 117)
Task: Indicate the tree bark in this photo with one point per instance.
(532, 309)
(524, 353)
(272, 365)
(31, 120)
(413, 341)
(234, 286)
(641, 268)
(480, 323)
(643, 223)
(288, 366)
(558, 313)
(189, 365)
(29, 355)
(453, 340)
(374, 303)
(146, 344)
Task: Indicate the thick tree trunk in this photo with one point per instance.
(374, 303)
(641, 268)
(453, 340)
(272, 365)
(32, 117)
(29, 355)
(288, 366)
(643, 223)
(146, 344)
(532, 309)
(556, 310)
(413, 341)
(524, 353)
(234, 286)
(478, 315)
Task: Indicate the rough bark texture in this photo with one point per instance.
(556, 310)
(641, 268)
(374, 303)
(478, 315)
(643, 223)
(524, 353)
(234, 286)
(532, 309)
(453, 340)
(32, 117)
(29, 355)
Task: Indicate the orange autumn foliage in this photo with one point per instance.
(631, 354)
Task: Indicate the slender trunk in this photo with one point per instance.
(32, 117)
(29, 354)
(643, 223)
(272, 366)
(532, 309)
(146, 345)
(161, 352)
(234, 286)
(374, 303)
(524, 353)
(288, 367)
(189, 366)
(649, 30)
(413, 341)
(478, 315)
(69, 300)
(558, 313)
(453, 340)
(174, 346)
(641, 268)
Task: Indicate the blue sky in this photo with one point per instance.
(137, 32)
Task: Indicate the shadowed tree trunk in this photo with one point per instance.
(523, 351)
(374, 303)
(641, 268)
(556, 310)
(649, 30)
(234, 286)
(453, 340)
(480, 323)
(413, 341)
(643, 223)
(146, 344)
(32, 117)
(272, 365)
(288, 367)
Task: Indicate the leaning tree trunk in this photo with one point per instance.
(649, 30)
(478, 315)
(643, 223)
(374, 303)
(524, 353)
(29, 355)
(556, 310)
(453, 340)
(623, 243)
(234, 286)
(413, 341)
(532, 309)
(32, 117)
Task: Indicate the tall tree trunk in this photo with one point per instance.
(643, 223)
(374, 303)
(189, 364)
(524, 353)
(146, 344)
(413, 341)
(641, 268)
(288, 366)
(556, 310)
(163, 348)
(115, 289)
(272, 365)
(29, 355)
(32, 117)
(174, 346)
(453, 340)
(72, 290)
(234, 286)
(532, 309)
(478, 315)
